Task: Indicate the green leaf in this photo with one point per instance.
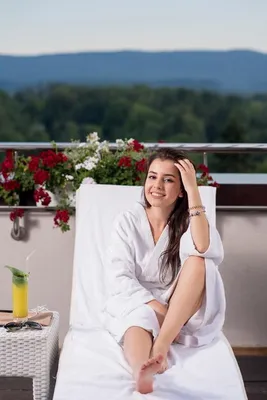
(17, 272)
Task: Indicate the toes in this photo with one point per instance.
(154, 360)
(145, 365)
(163, 368)
(151, 361)
(159, 358)
(148, 363)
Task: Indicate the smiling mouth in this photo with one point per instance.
(157, 194)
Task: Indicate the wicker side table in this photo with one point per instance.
(30, 353)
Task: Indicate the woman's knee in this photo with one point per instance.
(194, 265)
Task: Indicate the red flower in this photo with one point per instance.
(141, 165)
(161, 141)
(40, 176)
(11, 185)
(61, 158)
(125, 162)
(46, 200)
(10, 154)
(214, 184)
(62, 216)
(34, 163)
(41, 194)
(7, 165)
(50, 158)
(17, 213)
(203, 168)
(137, 146)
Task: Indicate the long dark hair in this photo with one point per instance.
(177, 221)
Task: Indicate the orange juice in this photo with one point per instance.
(20, 297)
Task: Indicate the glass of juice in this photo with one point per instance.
(19, 294)
(20, 297)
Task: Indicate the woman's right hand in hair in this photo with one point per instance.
(159, 309)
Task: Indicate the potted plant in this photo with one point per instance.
(60, 174)
(95, 160)
(38, 175)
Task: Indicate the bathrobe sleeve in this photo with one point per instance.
(214, 252)
(207, 323)
(125, 293)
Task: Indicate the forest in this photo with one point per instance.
(63, 113)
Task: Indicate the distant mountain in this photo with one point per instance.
(227, 71)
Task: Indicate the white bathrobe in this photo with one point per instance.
(133, 280)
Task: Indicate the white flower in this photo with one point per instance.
(92, 137)
(78, 166)
(120, 143)
(95, 158)
(88, 181)
(69, 177)
(104, 146)
(89, 163)
(130, 141)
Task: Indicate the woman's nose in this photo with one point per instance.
(157, 185)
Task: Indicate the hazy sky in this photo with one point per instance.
(49, 26)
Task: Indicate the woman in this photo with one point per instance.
(164, 286)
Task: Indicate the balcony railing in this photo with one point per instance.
(190, 147)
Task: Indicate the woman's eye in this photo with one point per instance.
(165, 179)
(168, 180)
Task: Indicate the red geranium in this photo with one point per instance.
(141, 165)
(203, 168)
(125, 161)
(50, 158)
(40, 176)
(11, 185)
(214, 184)
(34, 163)
(17, 213)
(41, 194)
(61, 219)
(7, 165)
(61, 158)
(136, 146)
(205, 177)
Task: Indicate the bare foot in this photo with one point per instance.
(144, 379)
(160, 349)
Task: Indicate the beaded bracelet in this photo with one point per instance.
(196, 213)
(194, 207)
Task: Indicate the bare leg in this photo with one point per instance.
(137, 349)
(185, 301)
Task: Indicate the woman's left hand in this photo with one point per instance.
(188, 174)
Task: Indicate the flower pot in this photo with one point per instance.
(71, 196)
(208, 197)
(53, 202)
(55, 198)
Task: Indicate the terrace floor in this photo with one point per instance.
(253, 368)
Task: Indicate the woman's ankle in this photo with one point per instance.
(160, 346)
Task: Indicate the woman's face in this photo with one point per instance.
(163, 184)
